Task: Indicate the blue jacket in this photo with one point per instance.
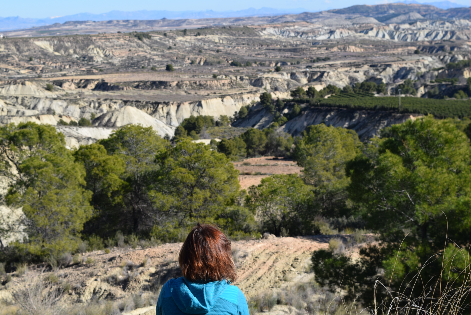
(180, 296)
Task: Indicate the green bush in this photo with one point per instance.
(50, 87)
(323, 227)
(169, 232)
(141, 36)
(95, 243)
(132, 240)
(335, 244)
(169, 67)
(84, 122)
(52, 278)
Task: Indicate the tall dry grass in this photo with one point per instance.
(449, 293)
(38, 296)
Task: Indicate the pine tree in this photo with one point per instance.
(47, 184)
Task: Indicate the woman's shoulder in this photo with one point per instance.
(169, 285)
(232, 294)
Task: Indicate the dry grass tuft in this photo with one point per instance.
(38, 296)
(336, 246)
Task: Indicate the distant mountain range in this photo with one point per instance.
(445, 5)
(14, 23)
(382, 12)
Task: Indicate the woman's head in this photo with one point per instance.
(206, 255)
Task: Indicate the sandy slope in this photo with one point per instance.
(262, 265)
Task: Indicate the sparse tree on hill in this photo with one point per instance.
(280, 105)
(266, 99)
(311, 92)
(243, 112)
(169, 67)
(298, 92)
(223, 121)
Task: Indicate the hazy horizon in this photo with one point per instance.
(53, 9)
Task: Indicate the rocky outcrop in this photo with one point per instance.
(367, 123)
(38, 119)
(308, 33)
(77, 136)
(410, 34)
(171, 113)
(25, 88)
(220, 84)
(131, 115)
(419, 31)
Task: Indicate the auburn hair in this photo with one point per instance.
(206, 255)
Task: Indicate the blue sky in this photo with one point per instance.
(50, 8)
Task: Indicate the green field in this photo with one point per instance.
(439, 108)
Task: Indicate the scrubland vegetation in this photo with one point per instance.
(410, 188)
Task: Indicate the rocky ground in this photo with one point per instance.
(263, 265)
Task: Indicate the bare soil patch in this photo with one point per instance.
(253, 170)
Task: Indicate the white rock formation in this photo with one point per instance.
(77, 136)
(131, 115)
(25, 89)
